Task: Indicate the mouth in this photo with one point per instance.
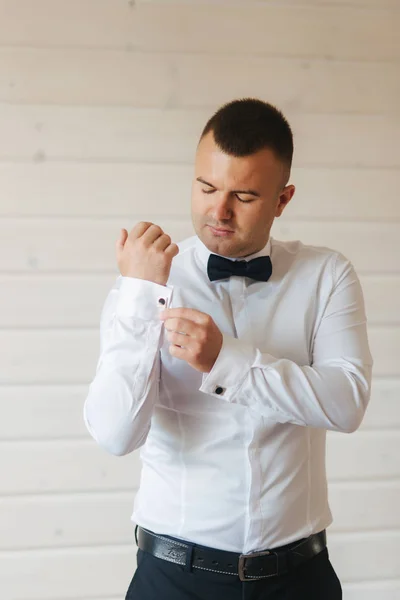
(220, 231)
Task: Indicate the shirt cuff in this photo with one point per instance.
(230, 369)
(142, 299)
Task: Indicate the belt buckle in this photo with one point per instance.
(242, 566)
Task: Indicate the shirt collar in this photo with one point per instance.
(204, 253)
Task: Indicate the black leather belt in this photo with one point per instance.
(247, 567)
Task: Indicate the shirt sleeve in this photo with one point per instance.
(119, 405)
(331, 393)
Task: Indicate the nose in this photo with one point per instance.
(222, 210)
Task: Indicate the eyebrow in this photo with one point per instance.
(249, 192)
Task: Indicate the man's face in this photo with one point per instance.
(235, 200)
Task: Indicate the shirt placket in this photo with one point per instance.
(240, 312)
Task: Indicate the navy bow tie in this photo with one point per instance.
(221, 268)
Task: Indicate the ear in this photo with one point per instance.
(285, 197)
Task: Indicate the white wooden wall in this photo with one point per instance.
(101, 105)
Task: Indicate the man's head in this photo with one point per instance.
(242, 168)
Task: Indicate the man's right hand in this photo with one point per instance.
(145, 253)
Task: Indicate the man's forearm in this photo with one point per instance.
(121, 397)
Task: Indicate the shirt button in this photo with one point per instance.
(162, 301)
(219, 390)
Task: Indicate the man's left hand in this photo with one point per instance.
(194, 337)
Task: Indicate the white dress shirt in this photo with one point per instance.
(235, 458)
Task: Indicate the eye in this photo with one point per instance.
(244, 200)
(208, 191)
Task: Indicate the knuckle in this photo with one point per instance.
(197, 349)
(203, 337)
(139, 227)
(206, 320)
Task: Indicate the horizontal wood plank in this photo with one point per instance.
(383, 410)
(347, 140)
(40, 133)
(363, 455)
(43, 412)
(77, 573)
(81, 245)
(361, 4)
(385, 345)
(97, 190)
(332, 32)
(48, 357)
(101, 133)
(53, 300)
(384, 590)
(364, 506)
(66, 521)
(365, 556)
(31, 76)
(382, 299)
(65, 466)
(368, 245)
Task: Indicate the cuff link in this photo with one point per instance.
(162, 301)
(219, 390)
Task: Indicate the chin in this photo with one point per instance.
(220, 246)
(229, 247)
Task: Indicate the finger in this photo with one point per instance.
(162, 242)
(120, 243)
(177, 352)
(186, 328)
(139, 229)
(183, 326)
(178, 339)
(123, 234)
(172, 250)
(190, 314)
(152, 234)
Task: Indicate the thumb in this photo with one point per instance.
(120, 243)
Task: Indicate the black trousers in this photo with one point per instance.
(157, 579)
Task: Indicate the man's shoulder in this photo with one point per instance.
(296, 255)
(299, 250)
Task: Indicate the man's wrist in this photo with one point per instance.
(142, 298)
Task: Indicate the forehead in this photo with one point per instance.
(217, 167)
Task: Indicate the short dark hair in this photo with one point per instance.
(245, 126)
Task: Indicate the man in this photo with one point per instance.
(225, 360)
